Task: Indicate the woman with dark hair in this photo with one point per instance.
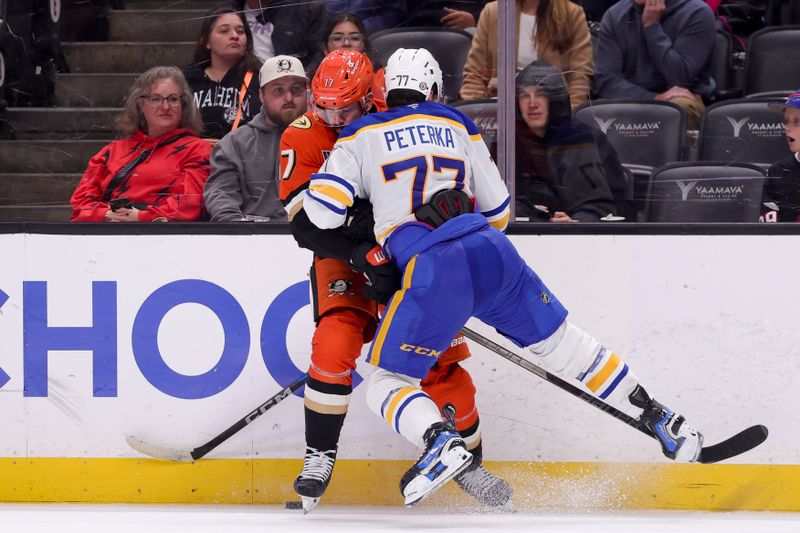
(223, 74)
(346, 31)
(157, 171)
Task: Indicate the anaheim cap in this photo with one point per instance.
(280, 67)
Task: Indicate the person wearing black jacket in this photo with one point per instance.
(782, 189)
(223, 75)
(566, 171)
(286, 27)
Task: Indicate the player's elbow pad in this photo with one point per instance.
(323, 214)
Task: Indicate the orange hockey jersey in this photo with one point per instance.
(305, 145)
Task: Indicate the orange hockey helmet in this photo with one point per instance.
(343, 78)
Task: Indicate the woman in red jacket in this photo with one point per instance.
(157, 171)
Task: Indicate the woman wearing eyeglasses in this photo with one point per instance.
(346, 31)
(223, 74)
(157, 171)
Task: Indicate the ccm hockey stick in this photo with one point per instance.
(171, 454)
(741, 442)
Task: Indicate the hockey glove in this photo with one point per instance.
(383, 276)
(360, 222)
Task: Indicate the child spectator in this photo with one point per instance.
(782, 189)
(156, 173)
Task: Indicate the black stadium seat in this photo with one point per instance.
(644, 133)
(449, 47)
(705, 192)
(772, 61)
(484, 114)
(744, 131)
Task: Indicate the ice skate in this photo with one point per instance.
(310, 485)
(484, 486)
(679, 441)
(445, 456)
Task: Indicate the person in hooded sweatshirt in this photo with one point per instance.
(657, 50)
(243, 185)
(566, 171)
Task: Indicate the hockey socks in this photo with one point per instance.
(325, 407)
(573, 354)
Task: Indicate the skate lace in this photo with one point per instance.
(477, 481)
(317, 464)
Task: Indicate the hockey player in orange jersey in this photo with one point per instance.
(346, 317)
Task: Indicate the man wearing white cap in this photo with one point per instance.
(243, 185)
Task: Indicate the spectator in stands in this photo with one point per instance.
(455, 14)
(566, 171)
(222, 73)
(552, 30)
(157, 171)
(657, 50)
(243, 185)
(377, 14)
(347, 31)
(285, 27)
(782, 190)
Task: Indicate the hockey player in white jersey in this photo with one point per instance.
(440, 207)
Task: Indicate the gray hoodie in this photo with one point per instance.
(245, 174)
(637, 62)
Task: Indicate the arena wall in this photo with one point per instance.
(172, 338)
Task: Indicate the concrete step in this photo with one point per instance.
(47, 156)
(37, 189)
(35, 213)
(62, 122)
(125, 57)
(92, 90)
(168, 25)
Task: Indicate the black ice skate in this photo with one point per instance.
(484, 486)
(679, 441)
(445, 456)
(310, 485)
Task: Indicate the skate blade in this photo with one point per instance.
(422, 493)
(309, 504)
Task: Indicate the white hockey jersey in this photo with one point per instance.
(397, 160)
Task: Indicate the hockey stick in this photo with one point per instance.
(741, 442)
(172, 454)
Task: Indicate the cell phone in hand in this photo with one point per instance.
(120, 203)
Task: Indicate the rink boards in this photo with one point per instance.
(172, 338)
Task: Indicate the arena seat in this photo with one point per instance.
(484, 114)
(644, 133)
(742, 130)
(772, 64)
(449, 47)
(705, 192)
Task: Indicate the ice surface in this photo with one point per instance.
(63, 518)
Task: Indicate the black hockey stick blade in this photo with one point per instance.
(174, 454)
(741, 442)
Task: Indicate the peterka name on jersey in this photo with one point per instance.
(420, 134)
